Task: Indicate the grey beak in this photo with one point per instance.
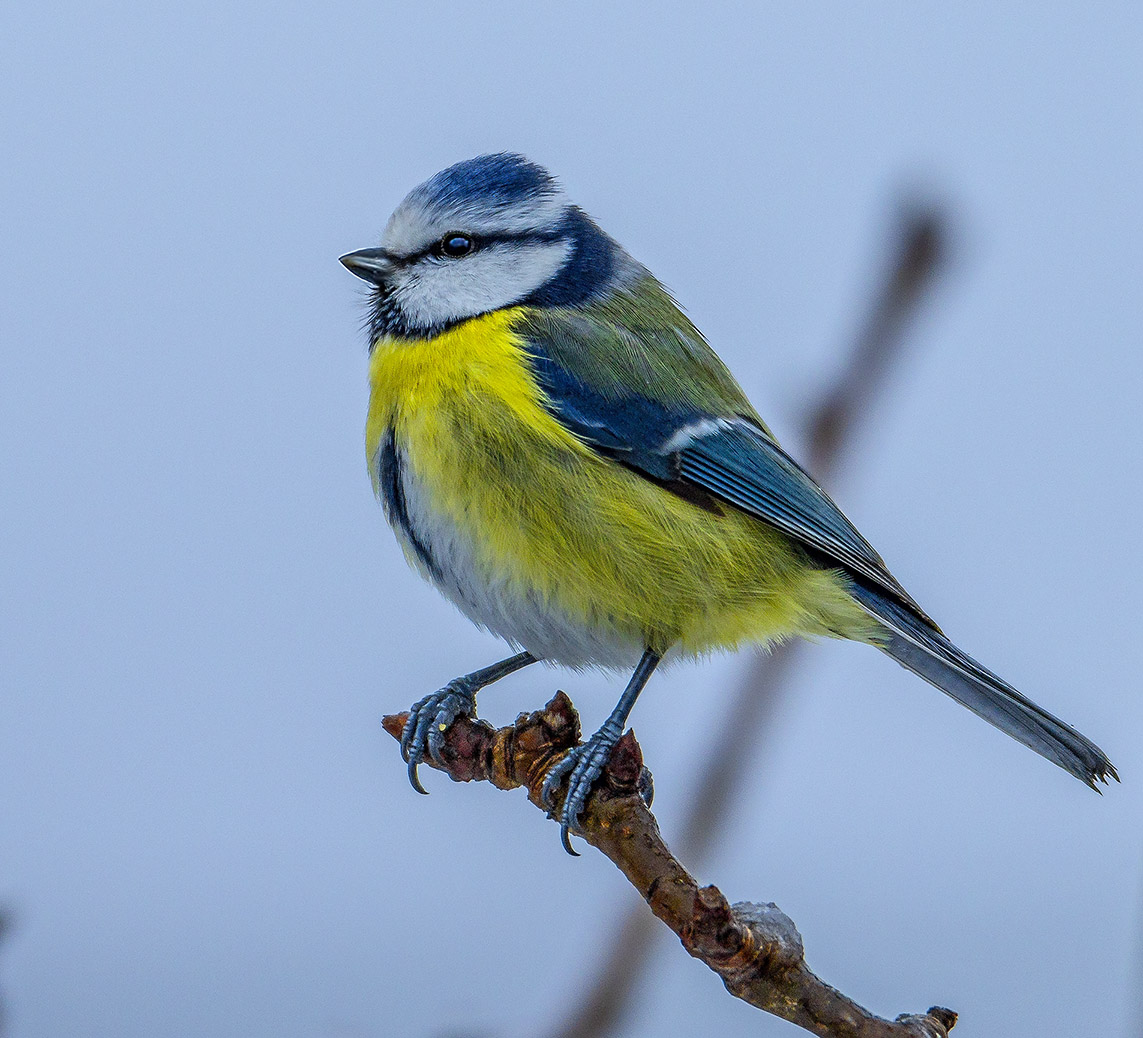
(372, 265)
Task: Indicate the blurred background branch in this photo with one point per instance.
(919, 248)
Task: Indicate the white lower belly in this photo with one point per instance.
(516, 613)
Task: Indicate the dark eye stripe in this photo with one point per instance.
(483, 241)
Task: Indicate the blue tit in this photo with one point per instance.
(565, 458)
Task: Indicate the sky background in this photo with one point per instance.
(203, 829)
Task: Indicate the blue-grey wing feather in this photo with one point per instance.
(629, 428)
(746, 467)
(728, 456)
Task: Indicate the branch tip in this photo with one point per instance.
(394, 724)
(625, 766)
(945, 1017)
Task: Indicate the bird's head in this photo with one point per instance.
(487, 233)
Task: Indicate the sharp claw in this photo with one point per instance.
(573, 803)
(414, 760)
(573, 808)
(412, 743)
(586, 764)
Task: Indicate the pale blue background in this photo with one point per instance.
(202, 617)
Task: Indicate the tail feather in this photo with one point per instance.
(922, 648)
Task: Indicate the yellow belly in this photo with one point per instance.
(551, 525)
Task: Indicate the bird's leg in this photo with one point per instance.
(586, 762)
(430, 717)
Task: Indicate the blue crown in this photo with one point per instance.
(496, 180)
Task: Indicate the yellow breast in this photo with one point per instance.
(545, 520)
(471, 380)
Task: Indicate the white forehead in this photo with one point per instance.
(492, 194)
(416, 224)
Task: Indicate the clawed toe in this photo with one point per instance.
(586, 764)
(428, 720)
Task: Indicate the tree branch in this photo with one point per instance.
(754, 948)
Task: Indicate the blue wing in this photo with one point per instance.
(723, 453)
(730, 457)
(743, 465)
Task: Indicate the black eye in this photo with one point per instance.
(454, 245)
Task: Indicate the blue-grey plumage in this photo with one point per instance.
(564, 456)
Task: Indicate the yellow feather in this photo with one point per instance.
(551, 518)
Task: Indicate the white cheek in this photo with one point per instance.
(433, 293)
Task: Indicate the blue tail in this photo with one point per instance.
(920, 647)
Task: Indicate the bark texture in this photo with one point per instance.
(754, 948)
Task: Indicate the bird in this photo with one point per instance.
(563, 455)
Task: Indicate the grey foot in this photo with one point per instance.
(586, 764)
(429, 719)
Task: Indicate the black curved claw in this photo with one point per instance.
(429, 719)
(586, 764)
(565, 839)
(551, 783)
